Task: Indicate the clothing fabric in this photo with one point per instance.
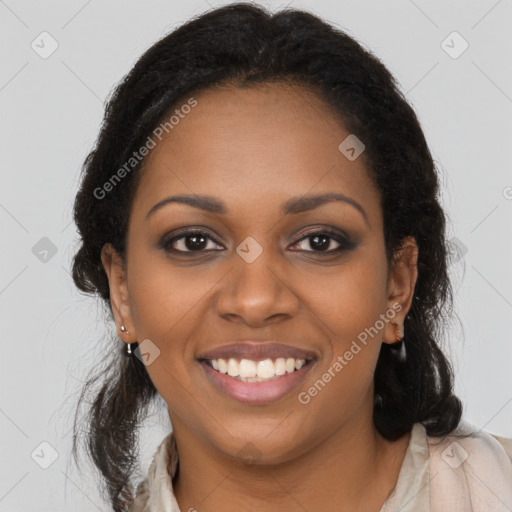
(471, 474)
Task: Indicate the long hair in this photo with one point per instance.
(243, 44)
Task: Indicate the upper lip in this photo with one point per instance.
(257, 351)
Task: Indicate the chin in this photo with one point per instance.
(258, 448)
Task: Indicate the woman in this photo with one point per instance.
(261, 216)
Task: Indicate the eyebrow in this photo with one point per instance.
(291, 206)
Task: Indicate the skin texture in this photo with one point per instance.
(254, 149)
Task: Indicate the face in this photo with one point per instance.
(314, 278)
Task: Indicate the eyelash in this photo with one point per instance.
(345, 243)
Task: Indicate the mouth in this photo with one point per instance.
(256, 381)
(264, 370)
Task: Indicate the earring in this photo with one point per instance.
(399, 351)
(399, 332)
(129, 345)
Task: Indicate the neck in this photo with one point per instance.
(353, 469)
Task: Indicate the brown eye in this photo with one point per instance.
(321, 242)
(189, 241)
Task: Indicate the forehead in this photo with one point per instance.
(257, 144)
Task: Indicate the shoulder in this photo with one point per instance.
(467, 441)
(506, 443)
(471, 469)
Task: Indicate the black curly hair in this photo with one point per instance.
(244, 44)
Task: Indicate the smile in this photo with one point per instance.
(256, 382)
(248, 370)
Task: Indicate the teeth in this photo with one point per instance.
(257, 371)
(266, 369)
(247, 368)
(233, 368)
(280, 366)
(223, 366)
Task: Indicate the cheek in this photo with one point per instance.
(166, 300)
(167, 305)
(351, 305)
(351, 301)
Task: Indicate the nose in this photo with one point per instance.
(257, 293)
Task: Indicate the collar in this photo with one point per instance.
(155, 493)
(412, 490)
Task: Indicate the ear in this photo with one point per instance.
(401, 284)
(119, 297)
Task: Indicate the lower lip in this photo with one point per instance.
(256, 392)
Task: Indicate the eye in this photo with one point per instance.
(198, 241)
(189, 241)
(320, 241)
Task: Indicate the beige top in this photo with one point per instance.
(447, 474)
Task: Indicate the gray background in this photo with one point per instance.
(50, 115)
